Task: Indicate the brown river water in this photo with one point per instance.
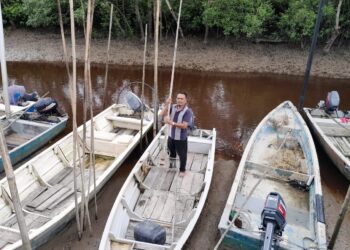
(233, 103)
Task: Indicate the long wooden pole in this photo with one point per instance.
(107, 59)
(143, 85)
(65, 54)
(11, 180)
(343, 210)
(311, 53)
(4, 68)
(74, 113)
(155, 93)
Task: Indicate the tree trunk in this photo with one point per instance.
(174, 16)
(139, 20)
(335, 32)
(205, 41)
(150, 18)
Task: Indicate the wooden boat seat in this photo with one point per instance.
(8, 235)
(280, 174)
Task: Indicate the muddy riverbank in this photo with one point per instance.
(217, 55)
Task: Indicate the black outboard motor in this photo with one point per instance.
(332, 101)
(273, 219)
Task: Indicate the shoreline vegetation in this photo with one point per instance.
(215, 56)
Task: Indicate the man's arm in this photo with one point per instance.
(184, 123)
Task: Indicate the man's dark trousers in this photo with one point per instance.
(179, 147)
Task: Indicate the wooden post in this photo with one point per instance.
(343, 210)
(14, 192)
(73, 89)
(4, 68)
(143, 85)
(107, 59)
(65, 54)
(155, 93)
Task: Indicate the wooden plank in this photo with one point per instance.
(39, 221)
(177, 182)
(197, 162)
(52, 199)
(197, 182)
(204, 163)
(44, 196)
(334, 130)
(342, 146)
(168, 180)
(187, 183)
(60, 176)
(9, 236)
(151, 177)
(62, 198)
(189, 162)
(121, 246)
(159, 179)
(169, 208)
(34, 194)
(150, 205)
(188, 208)
(157, 211)
(142, 202)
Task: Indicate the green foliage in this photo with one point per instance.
(290, 20)
(13, 12)
(237, 17)
(298, 21)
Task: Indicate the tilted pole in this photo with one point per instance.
(155, 93)
(143, 86)
(311, 53)
(107, 59)
(11, 180)
(343, 210)
(5, 92)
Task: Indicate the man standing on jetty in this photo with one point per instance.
(179, 119)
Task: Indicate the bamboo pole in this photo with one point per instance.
(143, 85)
(74, 113)
(11, 180)
(174, 57)
(4, 68)
(174, 16)
(92, 142)
(107, 59)
(155, 93)
(65, 54)
(343, 210)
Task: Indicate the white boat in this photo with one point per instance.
(279, 157)
(45, 183)
(155, 193)
(333, 133)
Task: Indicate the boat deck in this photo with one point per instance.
(165, 197)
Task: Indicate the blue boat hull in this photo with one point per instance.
(25, 150)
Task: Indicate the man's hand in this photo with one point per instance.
(167, 120)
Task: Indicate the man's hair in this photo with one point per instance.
(183, 93)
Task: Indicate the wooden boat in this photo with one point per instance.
(24, 137)
(45, 183)
(281, 154)
(156, 193)
(333, 133)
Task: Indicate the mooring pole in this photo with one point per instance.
(311, 53)
(343, 210)
(11, 180)
(4, 68)
(155, 93)
(143, 86)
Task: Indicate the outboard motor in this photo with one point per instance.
(273, 219)
(332, 101)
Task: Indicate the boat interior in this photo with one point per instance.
(159, 194)
(46, 183)
(278, 161)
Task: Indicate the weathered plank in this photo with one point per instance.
(188, 208)
(9, 236)
(150, 205)
(197, 162)
(187, 183)
(62, 198)
(168, 180)
(53, 199)
(157, 184)
(189, 162)
(197, 182)
(151, 176)
(157, 211)
(120, 246)
(142, 201)
(44, 196)
(60, 176)
(169, 208)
